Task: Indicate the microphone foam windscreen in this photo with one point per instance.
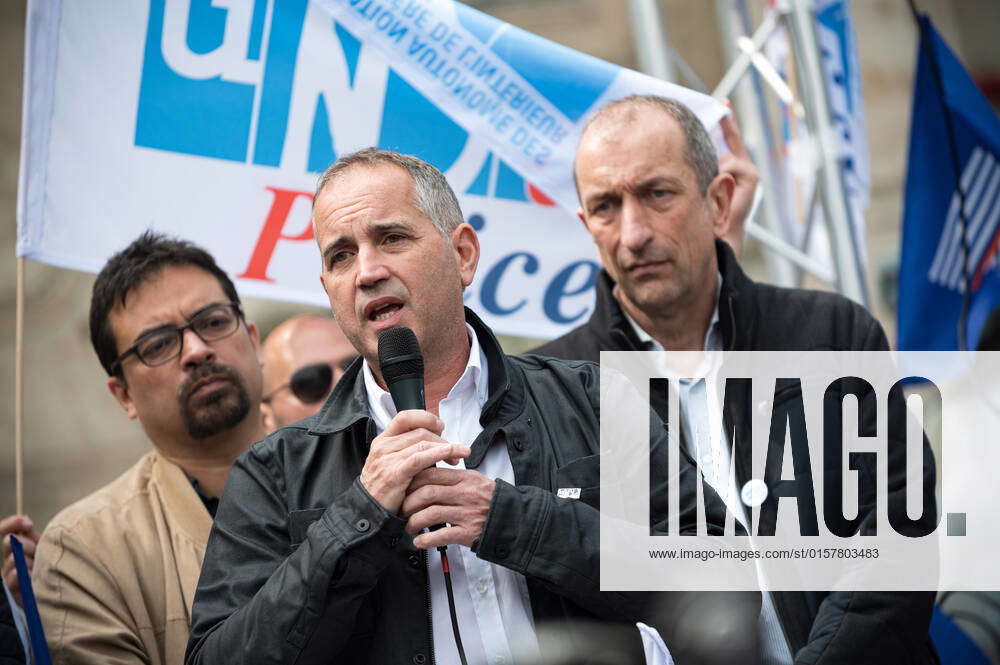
(399, 354)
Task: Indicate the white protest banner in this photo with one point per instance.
(211, 120)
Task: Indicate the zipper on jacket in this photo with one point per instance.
(430, 615)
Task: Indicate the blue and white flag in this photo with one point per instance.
(937, 266)
(211, 119)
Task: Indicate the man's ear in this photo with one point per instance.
(586, 226)
(119, 389)
(720, 199)
(267, 418)
(465, 242)
(254, 336)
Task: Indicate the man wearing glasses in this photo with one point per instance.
(303, 358)
(115, 573)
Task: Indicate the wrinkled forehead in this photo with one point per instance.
(365, 194)
(628, 144)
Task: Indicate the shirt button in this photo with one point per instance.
(481, 588)
(499, 660)
(754, 492)
(419, 659)
(362, 525)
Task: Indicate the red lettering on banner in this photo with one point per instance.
(272, 233)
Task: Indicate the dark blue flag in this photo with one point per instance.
(39, 648)
(954, 152)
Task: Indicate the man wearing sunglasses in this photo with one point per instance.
(115, 573)
(303, 358)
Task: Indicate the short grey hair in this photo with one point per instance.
(432, 194)
(699, 151)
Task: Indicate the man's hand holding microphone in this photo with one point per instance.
(400, 472)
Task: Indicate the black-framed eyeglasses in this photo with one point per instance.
(310, 383)
(160, 346)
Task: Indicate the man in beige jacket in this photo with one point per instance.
(116, 572)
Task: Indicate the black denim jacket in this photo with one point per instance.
(304, 566)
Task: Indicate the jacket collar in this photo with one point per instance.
(608, 321)
(614, 331)
(181, 502)
(348, 403)
(737, 310)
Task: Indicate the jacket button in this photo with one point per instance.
(414, 560)
(419, 659)
(754, 492)
(393, 541)
(518, 445)
(502, 551)
(362, 525)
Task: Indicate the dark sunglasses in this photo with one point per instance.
(311, 383)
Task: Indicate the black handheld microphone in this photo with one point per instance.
(402, 367)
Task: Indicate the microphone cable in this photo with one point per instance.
(446, 569)
(402, 367)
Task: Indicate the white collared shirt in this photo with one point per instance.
(712, 455)
(491, 602)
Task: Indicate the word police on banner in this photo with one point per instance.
(215, 119)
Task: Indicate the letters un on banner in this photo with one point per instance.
(211, 121)
(817, 470)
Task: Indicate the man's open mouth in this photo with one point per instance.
(382, 309)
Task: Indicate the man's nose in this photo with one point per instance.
(635, 228)
(372, 268)
(194, 350)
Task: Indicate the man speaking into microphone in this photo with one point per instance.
(320, 551)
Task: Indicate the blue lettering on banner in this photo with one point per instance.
(321, 152)
(428, 132)
(556, 291)
(544, 64)
(211, 117)
(491, 283)
(211, 114)
(276, 90)
(218, 82)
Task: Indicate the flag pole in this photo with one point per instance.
(19, 389)
(963, 214)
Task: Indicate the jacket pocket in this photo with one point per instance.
(298, 524)
(580, 479)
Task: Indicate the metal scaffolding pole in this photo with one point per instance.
(747, 106)
(745, 57)
(651, 44)
(833, 196)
